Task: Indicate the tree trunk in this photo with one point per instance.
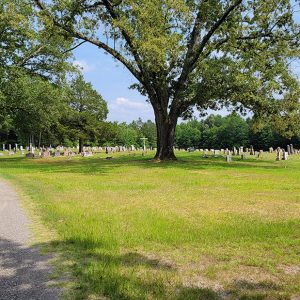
(40, 138)
(80, 145)
(165, 127)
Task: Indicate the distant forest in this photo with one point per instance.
(213, 132)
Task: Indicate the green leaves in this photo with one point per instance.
(85, 110)
(29, 42)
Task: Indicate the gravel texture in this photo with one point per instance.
(24, 273)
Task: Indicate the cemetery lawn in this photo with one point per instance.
(197, 228)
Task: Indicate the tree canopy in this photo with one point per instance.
(202, 53)
(29, 44)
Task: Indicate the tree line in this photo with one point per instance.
(217, 132)
(77, 124)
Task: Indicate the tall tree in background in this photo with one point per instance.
(183, 53)
(87, 110)
(32, 105)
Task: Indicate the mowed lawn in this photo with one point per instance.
(197, 228)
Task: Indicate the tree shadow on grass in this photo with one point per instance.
(249, 290)
(97, 165)
(100, 272)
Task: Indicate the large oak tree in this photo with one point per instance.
(187, 53)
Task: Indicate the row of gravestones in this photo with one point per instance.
(44, 153)
(281, 153)
(88, 151)
(67, 152)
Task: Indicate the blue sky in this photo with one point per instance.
(112, 81)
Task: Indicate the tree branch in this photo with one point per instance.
(73, 48)
(194, 54)
(26, 59)
(214, 28)
(126, 36)
(97, 43)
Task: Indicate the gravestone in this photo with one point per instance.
(10, 153)
(243, 156)
(228, 158)
(278, 152)
(108, 150)
(87, 154)
(30, 155)
(1, 154)
(285, 155)
(288, 149)
(292, 148)
(252, 150)
(271, 150)
(46, 153)
(56, 153)
(216, 153)
(234, 151)
(3, 147)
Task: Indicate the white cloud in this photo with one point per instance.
(124, 109)
(83, 66)
(127, 103)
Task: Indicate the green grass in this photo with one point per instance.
(197, 228)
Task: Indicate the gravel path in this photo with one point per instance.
(24, 273)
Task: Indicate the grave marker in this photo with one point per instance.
(228, 158)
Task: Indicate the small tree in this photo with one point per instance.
(202, 53)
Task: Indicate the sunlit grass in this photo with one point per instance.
(198, 228)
